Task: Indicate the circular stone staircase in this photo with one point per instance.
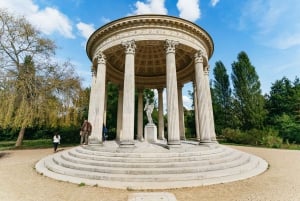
(151, 166)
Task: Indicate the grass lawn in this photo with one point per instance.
(47, 143)
(31, 144)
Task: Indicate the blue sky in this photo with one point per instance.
(267, 30)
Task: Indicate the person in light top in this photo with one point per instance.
(56, 141)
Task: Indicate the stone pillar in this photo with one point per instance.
(196, 113)
(181, 113)
(209, 102)
(99, 93)
(91, 114)
(120, 113)
(127, 137)
(105, 108)
(203, 109)
(140, 116)
(172, 100)
(161, 129)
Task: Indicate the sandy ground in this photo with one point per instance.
(20, 182)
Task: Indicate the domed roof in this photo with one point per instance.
(150, 33)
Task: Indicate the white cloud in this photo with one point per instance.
(187, 102)
(48, 20)
(214, 2)
(85, 29)
(274, 23)
(189, 9)
(105, 20)
(150, 7)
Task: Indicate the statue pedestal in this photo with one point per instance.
(150, 132)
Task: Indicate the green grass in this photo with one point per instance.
(47, 143)
(30, 144)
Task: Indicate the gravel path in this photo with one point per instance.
(20, 182)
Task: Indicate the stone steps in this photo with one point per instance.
(160, 162)
(154, 169)
(151, 167)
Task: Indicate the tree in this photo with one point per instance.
(221, 93)
(37, 91)
(280, 100)
(283, 105)
(249, 103)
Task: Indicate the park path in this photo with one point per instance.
(20, 182)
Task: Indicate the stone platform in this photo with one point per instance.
(151, 165)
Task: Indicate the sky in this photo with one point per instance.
(267, 30)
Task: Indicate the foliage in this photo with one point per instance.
(221, 96)
(266, 137)
(283, 104)
(189, 122)
(249, 101)
(35, 90)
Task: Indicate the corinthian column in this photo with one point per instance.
(120, 113)
(203, 110)
(140, 115)
(99, 94)
(161, 128)
(181, 113)
(127, 137)
(172, 100)
(91, 114)
(209, 102)
(196, 111)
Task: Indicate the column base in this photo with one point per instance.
(205, 141)
(94, 141)
(174, 144)
(126, 143)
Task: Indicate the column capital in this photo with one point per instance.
(129, 46)
(179, 86)
(160, 90)
(101, 58)
(93, 70)
(199, 57)
(170, 46)
(206, 70)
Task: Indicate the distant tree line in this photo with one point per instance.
(243, 115)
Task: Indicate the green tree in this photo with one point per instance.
(36, 91)
(283, 105)
(249, 103)
(222, 100)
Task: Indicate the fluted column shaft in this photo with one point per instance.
(203, 110)
(105, 108)
(140, 115)
(209, 102)
(127, 137)
(196, 113)
(172, 100)
(91, 114)
(120, 113)
(100, 85)
(181, 113)
(161, 129)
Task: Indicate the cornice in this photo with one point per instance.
(150, 21)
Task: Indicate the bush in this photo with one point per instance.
(268, 137)
(236, 136)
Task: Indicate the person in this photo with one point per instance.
(149, 109)
(56, 141)
(85, 132)
(104, 132)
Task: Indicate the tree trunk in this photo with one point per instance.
(20, 137)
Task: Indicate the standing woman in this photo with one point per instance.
(56, 141)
